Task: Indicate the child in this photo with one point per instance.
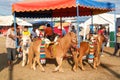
(26, 32)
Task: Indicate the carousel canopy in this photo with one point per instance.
(60, 8)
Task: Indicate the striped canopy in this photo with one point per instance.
(60, 8)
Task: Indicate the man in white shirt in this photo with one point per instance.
(11, 44)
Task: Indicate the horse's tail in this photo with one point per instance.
(30, 55)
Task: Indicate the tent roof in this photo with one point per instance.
(60, 8)
(102, 19)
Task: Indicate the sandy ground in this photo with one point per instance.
(108, 70)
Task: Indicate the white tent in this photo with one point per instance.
(100, 19)
(8, 20)
(103, 19)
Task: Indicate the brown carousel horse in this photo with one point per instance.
(58, 50)
(85, 50)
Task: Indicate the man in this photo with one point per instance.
(11, 44)
(117, 46)
(49, 32)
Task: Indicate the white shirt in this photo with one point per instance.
(37, 32)
(10, 43)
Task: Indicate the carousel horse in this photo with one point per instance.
(25, 43)
(58, 50)
(92, 49)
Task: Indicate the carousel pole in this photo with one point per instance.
(14, 15)
(78, 37)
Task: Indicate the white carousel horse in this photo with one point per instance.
(25, 46)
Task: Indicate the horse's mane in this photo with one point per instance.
(65, 41)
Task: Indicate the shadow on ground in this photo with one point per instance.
(3, 61)
(114, 73)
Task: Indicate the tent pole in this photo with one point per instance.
(91, 26)
(78, 37)
(15, 27)
(115, 26)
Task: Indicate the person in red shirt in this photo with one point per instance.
(49, 32)
(101, 31)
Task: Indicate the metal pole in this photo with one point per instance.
(78, 37)
(91, 21)
(15, 27)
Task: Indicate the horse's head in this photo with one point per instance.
(94, 38)
(26, 41)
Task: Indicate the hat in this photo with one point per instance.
(42, 27)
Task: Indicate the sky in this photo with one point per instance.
(5, 6)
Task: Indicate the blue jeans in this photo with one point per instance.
(11, 53)
(117, 47)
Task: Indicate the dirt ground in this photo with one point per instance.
(108, 70)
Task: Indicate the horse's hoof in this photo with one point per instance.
(83, 69)
(23, 65)
(34, 69)
(98, 64)
(95, 67)
(74, 70)
(43, 71)
(61, 71)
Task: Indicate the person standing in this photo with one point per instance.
(11, 44)
(73, 29)
(117, 45)
(63, 32)
(33, 33)
(102, 32)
